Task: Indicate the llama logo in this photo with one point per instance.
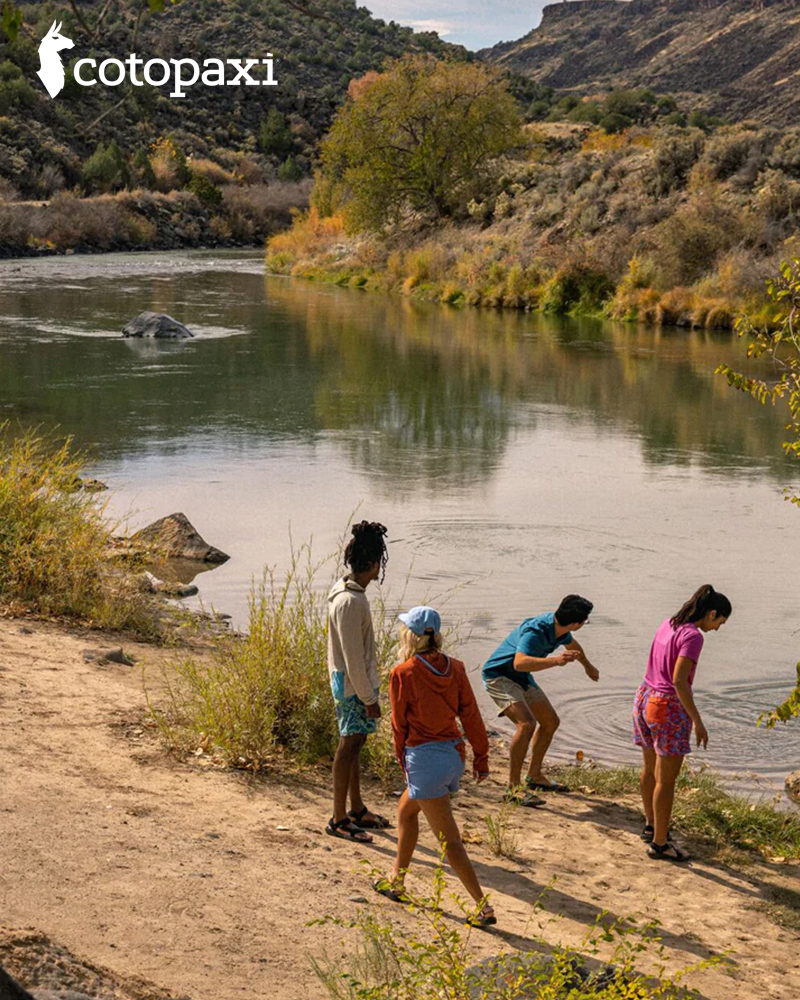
(51, 72)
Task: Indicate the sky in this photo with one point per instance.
(474, 23)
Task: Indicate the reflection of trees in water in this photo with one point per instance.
(429, 389)
(654, 383)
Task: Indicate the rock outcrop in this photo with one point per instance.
(174, 537)
(736, 58)
(793, 786)
(156, 326)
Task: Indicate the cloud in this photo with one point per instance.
(465, 21)
(442, 28)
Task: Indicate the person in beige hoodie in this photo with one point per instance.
(353, 667)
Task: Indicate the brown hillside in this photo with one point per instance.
(738, 58)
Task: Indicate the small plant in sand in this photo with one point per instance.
(55, 540)
(435, 959)
(500, 835)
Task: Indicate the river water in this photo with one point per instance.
(514, 458)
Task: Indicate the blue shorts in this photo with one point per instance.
(351, 715)
(433, 769)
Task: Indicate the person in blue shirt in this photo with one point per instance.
(508, 681)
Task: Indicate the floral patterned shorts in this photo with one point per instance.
(661, 723)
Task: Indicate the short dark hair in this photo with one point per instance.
(573, 609)
(366, 547)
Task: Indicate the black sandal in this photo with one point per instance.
(544, 786)
(386, 888)
(667, 852)
(525, 799)
(482, 919)
(378, 823)
(346, 829)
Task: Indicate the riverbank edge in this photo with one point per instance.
(318, 249)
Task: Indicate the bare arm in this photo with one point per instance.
(532, 664)
(680, 678)
(591, 670)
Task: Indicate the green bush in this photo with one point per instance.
(576, 288)
(208, 193)
(290, 170)
(615, 122)
(106, 169)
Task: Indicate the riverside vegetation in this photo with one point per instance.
(130, 168)
(646, 221)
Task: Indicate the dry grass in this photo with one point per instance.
(54, 540)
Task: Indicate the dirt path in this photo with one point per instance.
(203, 882)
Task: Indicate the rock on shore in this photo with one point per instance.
(793, 786)
(174, 537)
(157, 326)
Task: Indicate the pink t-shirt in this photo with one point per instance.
(668, 645)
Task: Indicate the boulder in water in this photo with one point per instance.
(173, 537)
(793, 786)
(156, 326)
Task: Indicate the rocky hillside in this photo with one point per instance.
(737, 58)
(315, 59)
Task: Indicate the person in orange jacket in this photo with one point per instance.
(428, 691)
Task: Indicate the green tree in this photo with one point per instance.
(780, 342)
(106, 169)
(290, 170)
(419, 141)
(275, 137)
(143, 173)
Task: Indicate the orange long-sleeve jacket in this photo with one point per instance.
(425, 706)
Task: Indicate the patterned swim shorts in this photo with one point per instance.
(661, 723)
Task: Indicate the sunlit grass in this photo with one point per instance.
(55, 541)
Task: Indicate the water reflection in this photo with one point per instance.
(428, 388)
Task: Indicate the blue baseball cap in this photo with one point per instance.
(421, 620)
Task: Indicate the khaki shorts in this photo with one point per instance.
(504, 693)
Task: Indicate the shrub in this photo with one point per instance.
(211, 171)
(290, 170)
(435, 960)
(267, 693)
(54, 541)
(674, 154)
(170, 169)
(205, 189)
(576, 287)
(615, 123)
(106, 169)
(275, 137)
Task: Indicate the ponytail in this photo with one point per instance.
(699, 604)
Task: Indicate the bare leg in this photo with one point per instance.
(407, 836)
(647, 782)
(346, 753)
(548, 722)
(667, 771)
(356, 802)
(439, 814)
(521, 715)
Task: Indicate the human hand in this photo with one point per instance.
(592, 672)
(373, 711)
(702, 735)
(567, 656)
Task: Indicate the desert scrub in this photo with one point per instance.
(727, 824)
(54, 539)
(501, 837)
(435, 960)
(266, 693)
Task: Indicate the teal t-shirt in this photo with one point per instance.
(534, 637)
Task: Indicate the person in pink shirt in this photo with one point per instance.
(664, 712)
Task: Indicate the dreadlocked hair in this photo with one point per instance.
(699, 604)
(366, 547)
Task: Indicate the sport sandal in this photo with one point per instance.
(667, 852)
(346, 829)
(482, 918)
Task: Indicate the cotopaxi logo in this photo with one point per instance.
(178, 73)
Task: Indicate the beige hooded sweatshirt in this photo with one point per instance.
(352, 661)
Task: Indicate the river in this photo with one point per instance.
(514, 458)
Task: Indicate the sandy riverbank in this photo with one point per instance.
(203, 881)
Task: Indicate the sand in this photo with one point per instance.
(203, 881)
